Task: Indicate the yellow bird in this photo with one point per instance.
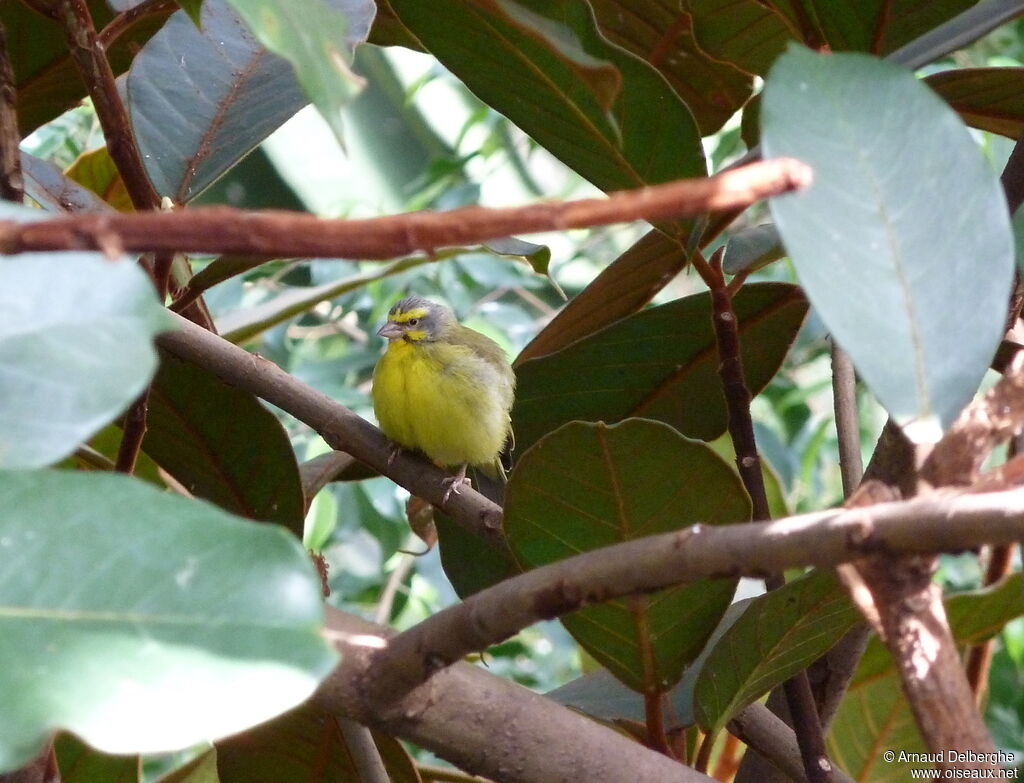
(444, 389)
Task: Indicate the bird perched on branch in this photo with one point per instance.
(444, 389)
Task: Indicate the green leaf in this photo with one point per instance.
(991, 99)
(201, 769)
(779, 634)
(903, 242)
(315, 43)
(195, 117)
(659, 364)
(625, 286)
(751, 248)
(187, 624)
(96, 171)
(547, 68)
(46, 79)
(303, 745)
(879, 26)
(75, 349)
(54, 191)
(588, 486)
(875, 716)
(746, 33)
(78, 763)
(193, 8)
(655, 31)
(223, 445)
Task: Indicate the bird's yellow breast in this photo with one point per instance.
(444, 400)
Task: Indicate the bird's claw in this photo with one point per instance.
(453, 483)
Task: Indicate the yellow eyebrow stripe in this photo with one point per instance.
(401, 318)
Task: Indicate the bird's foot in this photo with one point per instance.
(454, 482)
(395, 451)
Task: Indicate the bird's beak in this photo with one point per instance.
(391, 330)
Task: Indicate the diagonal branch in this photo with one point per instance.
(338, 425)
(274, 234)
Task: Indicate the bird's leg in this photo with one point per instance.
(395, 451)
(454, 482)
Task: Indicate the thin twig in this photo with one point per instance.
(387, 597)
(769, 735)
(90, 59)
(123, 22)
(133, 433)
(369, 766)
(844, 402)
(275, 234)
(741, 429)
(12, 186)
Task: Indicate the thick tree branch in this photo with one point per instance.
(485, 724)
(339, 426)
(275, 234)
(938, 523)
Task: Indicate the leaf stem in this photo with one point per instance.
(12, 186)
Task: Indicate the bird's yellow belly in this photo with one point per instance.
(448, 406)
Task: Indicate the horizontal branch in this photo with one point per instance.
(938, 523)
(341, 428)
(485, 724)
(274, 234)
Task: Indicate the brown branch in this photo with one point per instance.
(286, 234)
(979, 657)
(133, 432)
(957, 458)
(340, 427)
(124, 20)
(939, 523)
(467, 715)
(90, 59)
(844, 403)
(770, 737)
(12, 186)
(917, 632)
(748, 462)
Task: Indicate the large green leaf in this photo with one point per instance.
(75, 349)
(587, 486)
(197, 115)
(875, 716)
(158, 622)
(306, 744)
(988, 98)
(547, 68)
(315, 43)
(656, 31)
(903, 242)
(879, 26)
(779, 634)
(223, 445)
(659, 364)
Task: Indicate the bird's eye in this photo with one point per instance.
(413, 321)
